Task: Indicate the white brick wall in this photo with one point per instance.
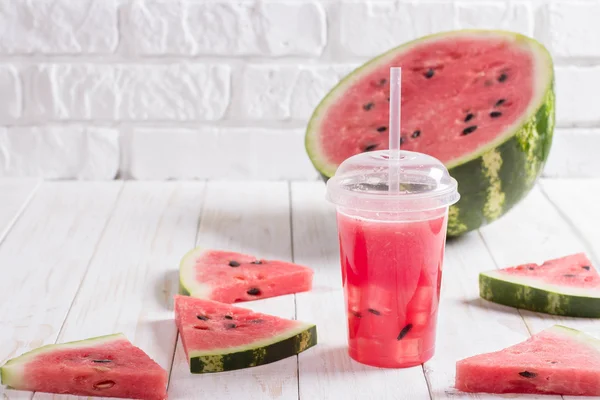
(187, 89)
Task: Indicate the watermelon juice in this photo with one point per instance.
(391, 273)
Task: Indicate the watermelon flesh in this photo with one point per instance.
(458, 95)
(108, 366)
(572, 271)
(231, 277)
(220, 337)
(558, 360)
(568, 286)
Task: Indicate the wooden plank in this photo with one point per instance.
(253, 218)
(133, 276)
(15, 194)
(43, 261)
(326, 371)
(467, 324)
(536, 230)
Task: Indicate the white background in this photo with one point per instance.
(221, 89)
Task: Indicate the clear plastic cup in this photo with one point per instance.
(392, 216)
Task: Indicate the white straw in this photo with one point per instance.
(394, 129)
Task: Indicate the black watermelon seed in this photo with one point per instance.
(553, 362)
(202, 317)
(357, 314)
(404, 331)
(256, 321)
(429, 73)
(469, 117)
(469, 129)
(374, 311)
(416, 134)
(530, 268)
(370, 147)
(487, 83)
(382, 129)
(234, 264)
(102, 361)
(502, 77)
(257, 262)
(527, 374)
(495, 114)
(388, 99)
(383, 81)
(586, 267)
(230, 326)
(499, 102)
(254, 291)
(228, 317)
(569, 276)
(368, 106)
(402, 140)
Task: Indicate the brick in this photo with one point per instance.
(570, 155)
(59, 152)
(514, 16)
(11, 99)
(577, 91)
(225, 27)
(58, 26)
(368, 29)
(184, 92)
(572, 28)
(212, 153)
(281, 92)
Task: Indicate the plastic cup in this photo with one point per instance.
(392, 243)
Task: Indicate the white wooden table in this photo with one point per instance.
(81, 259)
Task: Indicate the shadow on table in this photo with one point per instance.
(166, 287)
(332, 361)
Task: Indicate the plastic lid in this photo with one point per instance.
(362, 182)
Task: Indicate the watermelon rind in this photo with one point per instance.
(575, 334)
(188, 284)
(497, 176)
(265, 351)
(529, 294)
(12, 372)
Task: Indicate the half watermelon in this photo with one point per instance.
(480, 101)
(568, 286)
(106, 366)
(219, 337)
(231, 277)
(558, 360)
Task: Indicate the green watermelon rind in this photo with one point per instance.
(261, 352)
(500, 174)
(11, 372)
(188, 285)
(529, 294)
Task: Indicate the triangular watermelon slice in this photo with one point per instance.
(231, 277)
(106, 366)
(220, 337)
(558, 360)
(567, 286)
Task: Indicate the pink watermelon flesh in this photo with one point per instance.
(571, 271)
(458, 95)
(231, 277)
(557, 360)
(209, 325)
(108, 367)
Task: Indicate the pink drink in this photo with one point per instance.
(392, 271)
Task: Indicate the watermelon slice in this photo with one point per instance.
(480, 101)
(106, 366)
(220, 337)
(231, 277)
(567, 286)
(558, 360)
